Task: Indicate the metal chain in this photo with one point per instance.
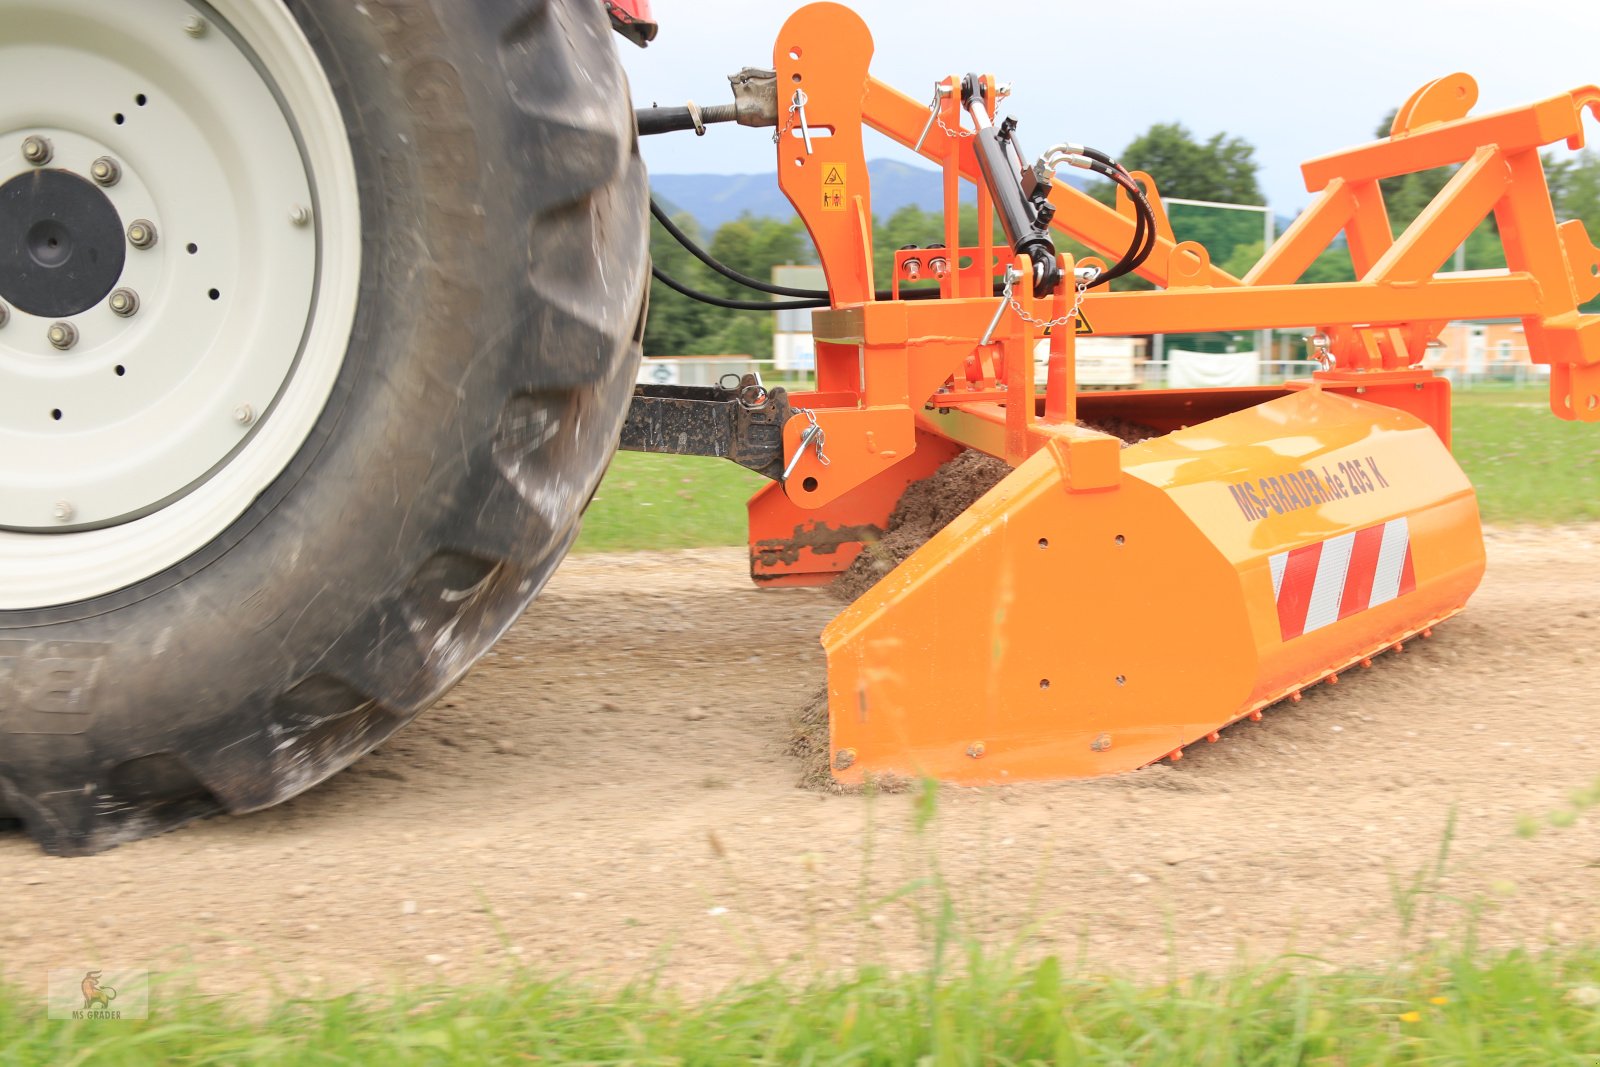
(796, 103)
(933, 108)
(1071, 315)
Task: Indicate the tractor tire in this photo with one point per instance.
(492, 278)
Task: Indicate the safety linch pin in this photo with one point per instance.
(812, 433)
(799, 106)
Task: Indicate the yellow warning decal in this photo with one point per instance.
(833, 183)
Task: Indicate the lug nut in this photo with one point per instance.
(62, 335)
(106, 171)
(63, 511)
(244, 414)
(37, 150)
(124, 302)
(299, 214)
(195, 26)
(142, 233)
(5, 314)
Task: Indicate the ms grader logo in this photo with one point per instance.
(99, 993)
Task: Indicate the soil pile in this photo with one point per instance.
(926, 508)
(929, 506)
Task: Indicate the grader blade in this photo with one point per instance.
(1103, 607)
(1051, 632)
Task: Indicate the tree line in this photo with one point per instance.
(1221, 168)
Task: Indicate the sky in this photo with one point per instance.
(1296, 78)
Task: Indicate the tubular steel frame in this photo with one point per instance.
(880, 363)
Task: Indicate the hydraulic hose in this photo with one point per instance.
(723, 269)
(734, 305)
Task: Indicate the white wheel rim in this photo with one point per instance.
(132, 449)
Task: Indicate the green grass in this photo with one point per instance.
(1527, 465)
(656, 502)
(1503, 1010)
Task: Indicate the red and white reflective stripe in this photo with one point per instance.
(1319, 584)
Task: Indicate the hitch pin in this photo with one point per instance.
(940, 91)
(927, 127)
(1012, 275)
(799, 106)
(811, 433)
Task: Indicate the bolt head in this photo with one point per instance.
(106, 171)
(976, 750)
(844, 759)
(299, 214)
(244, 414)
(5, 314)
(1100, 743)
(37, 150)
(142, 233)
(195, 26)
(62, 335)
(63, 511)
(124, 302)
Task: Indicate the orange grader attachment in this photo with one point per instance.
(1103, 607)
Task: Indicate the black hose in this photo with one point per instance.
(723, 269)
(734, 305)
(1144, 226)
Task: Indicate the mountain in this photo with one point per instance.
(717, 198)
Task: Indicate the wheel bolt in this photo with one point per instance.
(142, 233)
(63, 335)
(106, 171)
(195, 26)
(244, 414)
(63, 511)
(37, 150)
(124, 302)
(5, 314)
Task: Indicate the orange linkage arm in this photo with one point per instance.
(1386, 319)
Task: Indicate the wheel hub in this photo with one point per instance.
(62, 246)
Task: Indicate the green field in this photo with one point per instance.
(1503, 1010)
(660, 502)
(1528, 466)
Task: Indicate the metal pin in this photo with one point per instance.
(805, 442)
(1012, 274)
(800, 99)
(927, 128)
